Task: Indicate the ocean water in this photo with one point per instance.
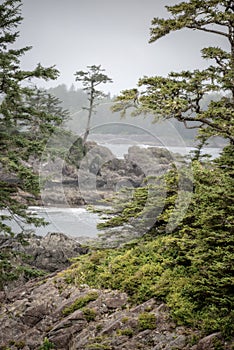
(78, 222)
(119, 150)
(75, 222)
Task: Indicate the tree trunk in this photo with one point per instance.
(90, 109)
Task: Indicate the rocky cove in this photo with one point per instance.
(67, 189)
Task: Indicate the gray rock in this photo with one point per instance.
(116, 301)
(34, 313)
(52, 252)
(208, 343)
(100, 174)
(152, 161)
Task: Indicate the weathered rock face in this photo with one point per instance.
(111, 173)
(100, 174)
(73, 318)
(52, 252)
(152, 160)
(49, 253)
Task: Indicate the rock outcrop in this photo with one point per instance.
(67, 317)
(100, 174)
(152, 160)
(50, 253)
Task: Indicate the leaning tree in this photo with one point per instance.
(195, 255)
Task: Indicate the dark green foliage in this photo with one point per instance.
(8, 272)
(125, 331)
(89, 314)
(28, 117)
(23, 115)
(162, 198)
(17, 344)
(29, 272)
(181, 94)
(13, 265)
(46, 114)
(191, 266)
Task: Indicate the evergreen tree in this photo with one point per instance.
(28, 116)
(90, 80)
(180, 95)
(191, 266)
(16, 116)
(46, 113)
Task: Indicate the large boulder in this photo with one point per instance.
(152, 160)
(131, 171)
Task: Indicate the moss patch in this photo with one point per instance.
(79, 303)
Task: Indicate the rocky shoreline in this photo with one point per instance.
(97, 177)
(43, 312)
(51, 313)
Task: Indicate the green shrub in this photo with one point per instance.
(30, 272)
(47, 345)
(89, 314)
(17, 344)
(190, 268)
(125, 319)
(79, 303)
(126, 331)
(146, 321)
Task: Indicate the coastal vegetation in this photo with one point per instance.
(190, 266)
(183, 256)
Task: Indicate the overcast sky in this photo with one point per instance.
(72, 34)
